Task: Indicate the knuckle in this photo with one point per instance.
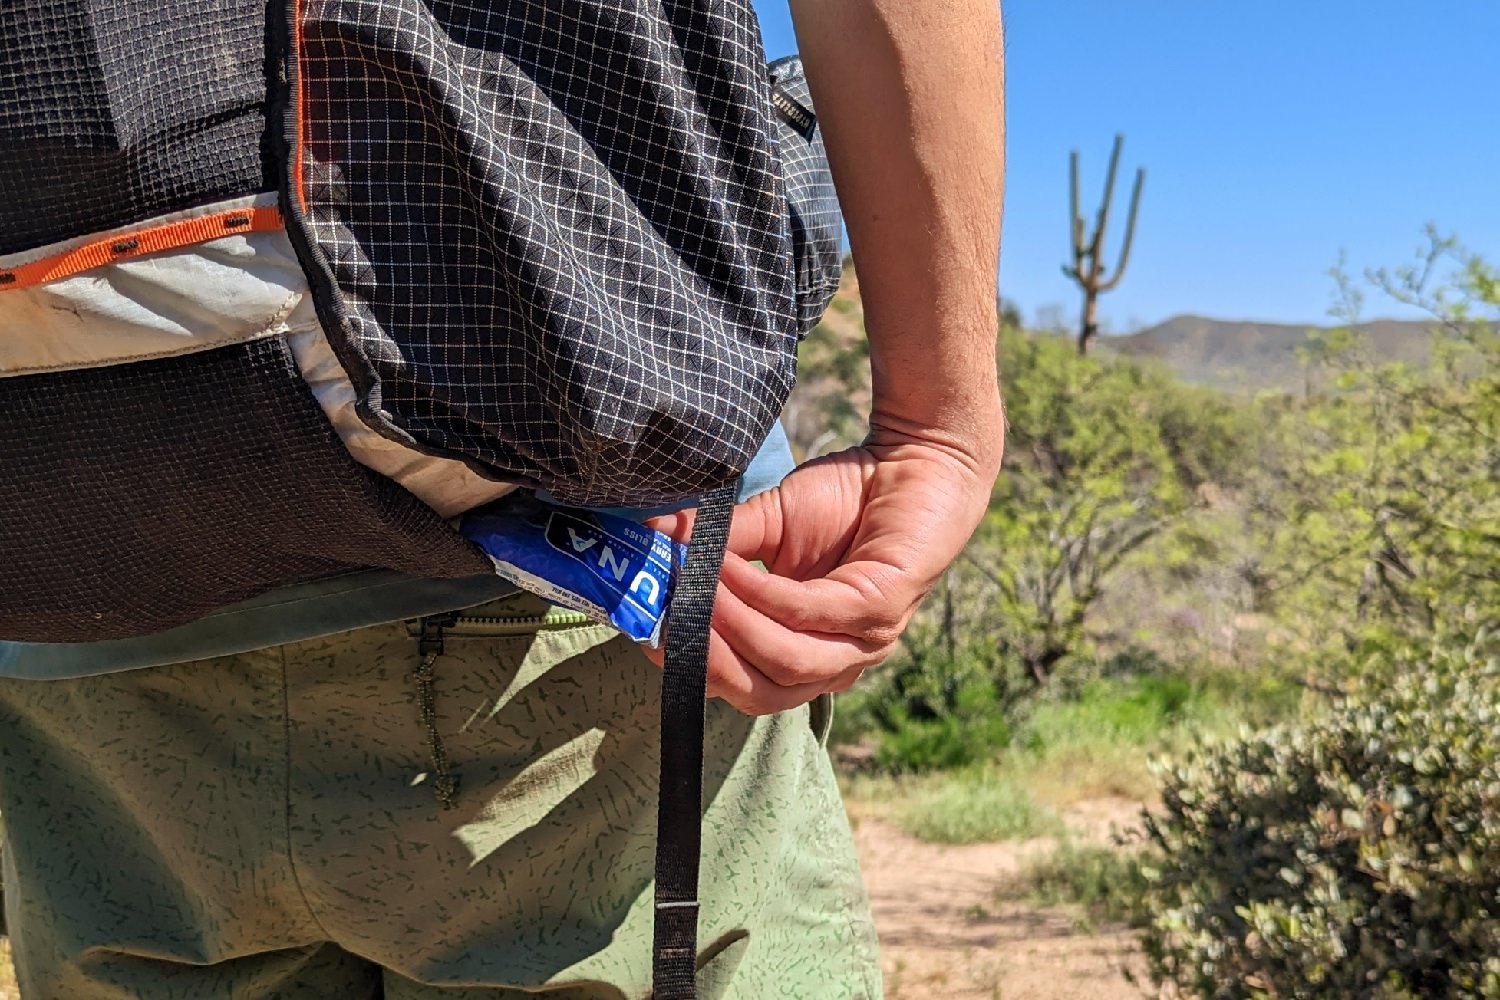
(880, 624)
(883, 632)
(792, 673)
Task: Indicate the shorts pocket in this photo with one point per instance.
(820, 717)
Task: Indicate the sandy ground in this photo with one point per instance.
(943, 935)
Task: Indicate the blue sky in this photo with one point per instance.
(1275, 135)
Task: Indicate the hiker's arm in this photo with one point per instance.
(910, 100)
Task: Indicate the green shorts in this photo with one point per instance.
(264, 826)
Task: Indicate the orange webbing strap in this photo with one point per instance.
(299, 141)
(123, 246)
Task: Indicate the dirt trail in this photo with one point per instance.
(943, 935)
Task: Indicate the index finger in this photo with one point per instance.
(865, 599)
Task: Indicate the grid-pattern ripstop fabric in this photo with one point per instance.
(147, 495)
(551, 237)
(113, 111)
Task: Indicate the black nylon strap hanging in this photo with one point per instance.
(679, 816)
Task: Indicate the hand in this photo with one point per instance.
(851, 542)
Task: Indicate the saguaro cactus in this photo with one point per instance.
(1088, 268)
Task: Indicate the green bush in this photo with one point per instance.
(1108, 882)
(937, 710)
(970, 733)
(919, 745)
(1354, 857)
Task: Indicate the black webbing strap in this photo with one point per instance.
(679, 808)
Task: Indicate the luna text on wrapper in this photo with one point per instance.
(613, 570)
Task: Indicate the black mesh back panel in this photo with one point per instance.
(114, 111)
(551, 237)
(145, 496)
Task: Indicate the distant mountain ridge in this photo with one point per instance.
(1249, 357)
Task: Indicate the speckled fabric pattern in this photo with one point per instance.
(263, 825)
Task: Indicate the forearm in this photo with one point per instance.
(910, 97)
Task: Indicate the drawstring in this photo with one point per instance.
(430, 645)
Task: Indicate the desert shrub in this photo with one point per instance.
(1106, 881)
(1375, 507)
(940, 706)
(1105, 458)
(1356, 856)
(969, 735)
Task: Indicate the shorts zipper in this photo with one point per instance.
(490, 626)
(430, 633)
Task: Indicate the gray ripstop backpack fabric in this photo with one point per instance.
(554, 239)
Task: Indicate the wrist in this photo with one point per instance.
(969, 430)
(937, 375)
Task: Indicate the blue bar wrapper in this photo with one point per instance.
(613, 570)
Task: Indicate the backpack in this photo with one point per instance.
(282, 294)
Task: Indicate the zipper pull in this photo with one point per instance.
(431, 638)
(430, 647)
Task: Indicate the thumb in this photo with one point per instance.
(755, 533)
